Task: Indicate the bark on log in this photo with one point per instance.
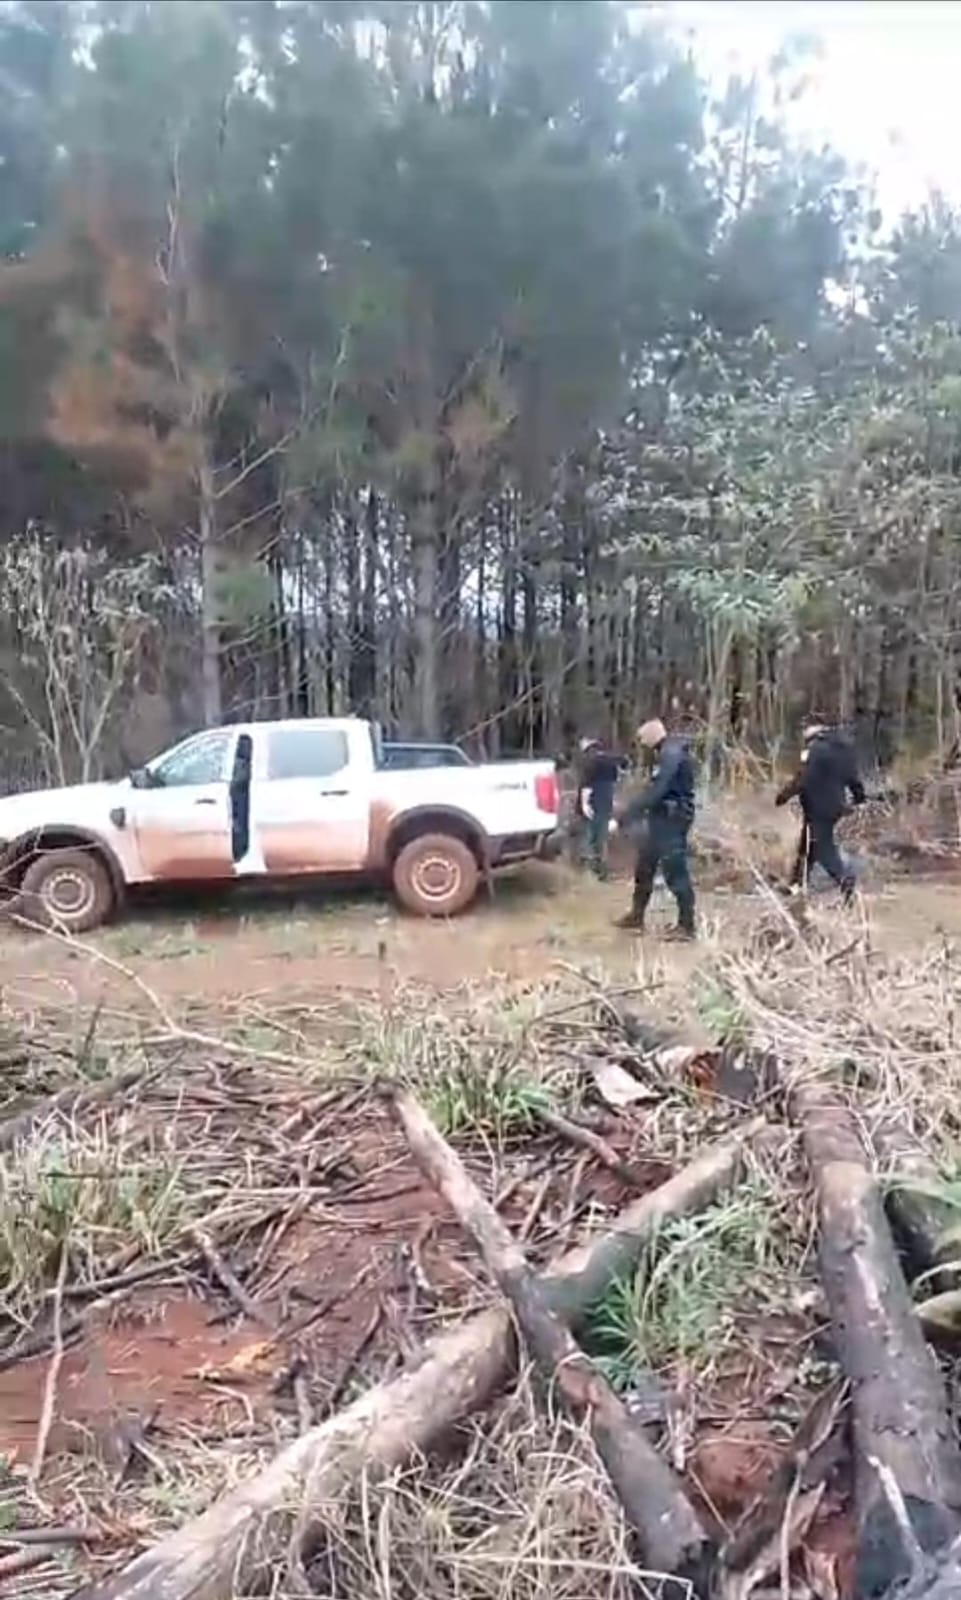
(673, 1540)
(221, 1552)
(899, 1406)
(935, 1580)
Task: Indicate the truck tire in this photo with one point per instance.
(436, 875)
(68, 889)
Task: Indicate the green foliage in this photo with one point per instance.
(701, 1276)
(472, 1071)
(514, 274)
(463, 1101)
(720, 1012)
(244, 595)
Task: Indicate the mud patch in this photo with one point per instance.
(148, 1364)
(731, 1466)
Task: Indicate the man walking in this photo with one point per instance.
(663, 812)
(827, 774)
(594, 807)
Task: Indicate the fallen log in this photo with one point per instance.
(221, 1552)
(672, 1538)
(902, 1434)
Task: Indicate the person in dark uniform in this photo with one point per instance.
(663, 814)
(827, 775)
(600, 769)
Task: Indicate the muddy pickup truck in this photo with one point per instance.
(275, 801)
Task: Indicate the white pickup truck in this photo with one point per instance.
(275, 800)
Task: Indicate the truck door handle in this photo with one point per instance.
(205, 802)
(332, 794)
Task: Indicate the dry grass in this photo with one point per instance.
(524, 1513)
(118, 1187)
(831, 1004)
(523, 1509)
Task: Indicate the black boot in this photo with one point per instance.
(686, 930)
(633, 922)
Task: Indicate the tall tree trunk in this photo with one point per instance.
(532, 716)
(354, 629)
(211, 642)
(426, 706)
(480, 628)
(396, 618)
(448, 605)
(281, 653)
(570, 618)
(367, 654)
(507, 694)
(425, 531)
(301, 704)
(330, 619)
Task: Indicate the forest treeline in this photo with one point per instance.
(474, 364)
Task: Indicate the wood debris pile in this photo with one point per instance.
(875, 1446)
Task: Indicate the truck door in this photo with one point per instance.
(182, 821)
(310, 804)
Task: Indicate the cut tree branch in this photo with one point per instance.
(673, 1540)
(219, 1553)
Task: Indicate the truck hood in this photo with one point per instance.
(83, 805)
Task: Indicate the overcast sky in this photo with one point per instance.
(886, 90)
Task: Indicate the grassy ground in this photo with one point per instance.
(259, 1029)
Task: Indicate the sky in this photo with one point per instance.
(886, 90)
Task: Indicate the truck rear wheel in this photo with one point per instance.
(68, 889)
(436, 875)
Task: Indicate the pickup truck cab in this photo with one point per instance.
(275, 801)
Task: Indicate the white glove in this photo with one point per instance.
(586, 808)
(613, 825)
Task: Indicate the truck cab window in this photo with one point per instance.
(199, 761)
(306, 753)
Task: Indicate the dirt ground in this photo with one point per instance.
(285, 949)
(347, 1258)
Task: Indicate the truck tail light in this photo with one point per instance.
(545, 792)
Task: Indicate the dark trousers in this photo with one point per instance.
(595, 832)
(664, 846)
(817, 846)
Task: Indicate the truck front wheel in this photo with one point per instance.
(436, 875)
(68, 889)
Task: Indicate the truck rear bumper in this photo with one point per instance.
(517, 847)
(551, 845)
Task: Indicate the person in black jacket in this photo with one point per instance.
(827, 774)
(663, 814)
(599, 771)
